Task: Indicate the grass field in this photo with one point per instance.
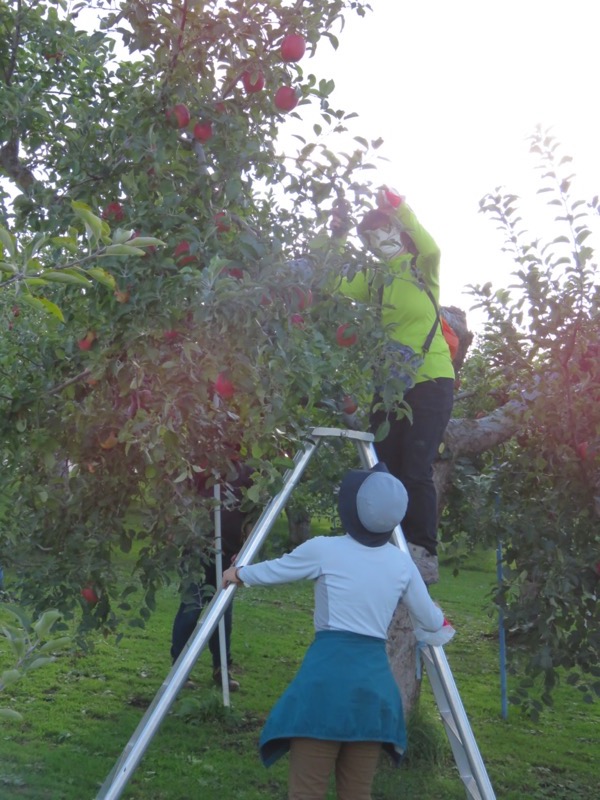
(81, 711)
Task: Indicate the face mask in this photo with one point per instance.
(384, 242)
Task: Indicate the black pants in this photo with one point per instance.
(191, 607)
(409, 451)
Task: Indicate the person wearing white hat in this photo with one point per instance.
(343, 707)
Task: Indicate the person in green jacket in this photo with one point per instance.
(406, 293)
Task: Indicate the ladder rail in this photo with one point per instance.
(466, 753)
(458, 729)
(172, 684)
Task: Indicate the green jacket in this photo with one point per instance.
(407, 311)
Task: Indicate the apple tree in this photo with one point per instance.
(525, 450)
(165, 265)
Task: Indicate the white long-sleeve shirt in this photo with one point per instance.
(357, 588)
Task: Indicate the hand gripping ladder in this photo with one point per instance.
(466, 753)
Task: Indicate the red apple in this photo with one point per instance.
(234, 272)
(297, 320)
(170, 336)
(285, 98)
(182, 255)
(224, 387)
(349, 404)
(253, 81)
(89, 595)
(344, 339)
(87, 341)
(178, 116)
(582, 450)
(16, 311)
(220, 108)
(301, 298)
(293, 47)
(114, 212)
(220, 220)
(203, 131)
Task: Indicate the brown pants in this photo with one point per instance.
(313, 760)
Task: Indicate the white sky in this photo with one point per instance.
(455, 89)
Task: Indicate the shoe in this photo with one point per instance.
(427, 564)
(233, 684)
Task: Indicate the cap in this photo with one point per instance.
(371, 502)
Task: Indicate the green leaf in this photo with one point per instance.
(40, 662)
(382, 431)
(8, 713)
(93, 224)
(8, 241)
(68, 242)
(5, 267)
(102, 276)
(9, 677)
(66, 277)
(146, 241)
(123, 250)
(257, 450)
(233, 189)
(46, 621)
(52, 308)
(55, 644)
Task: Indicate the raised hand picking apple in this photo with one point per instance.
(389, 199)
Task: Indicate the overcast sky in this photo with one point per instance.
(455, 89)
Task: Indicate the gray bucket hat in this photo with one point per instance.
(371, 502)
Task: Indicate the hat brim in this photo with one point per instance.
(347, 510)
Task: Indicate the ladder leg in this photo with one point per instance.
(460, 735)
(158, 709)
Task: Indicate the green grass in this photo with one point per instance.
(81, 711)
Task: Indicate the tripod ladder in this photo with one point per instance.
(462, 741)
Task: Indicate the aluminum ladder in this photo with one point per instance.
(464, 747)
